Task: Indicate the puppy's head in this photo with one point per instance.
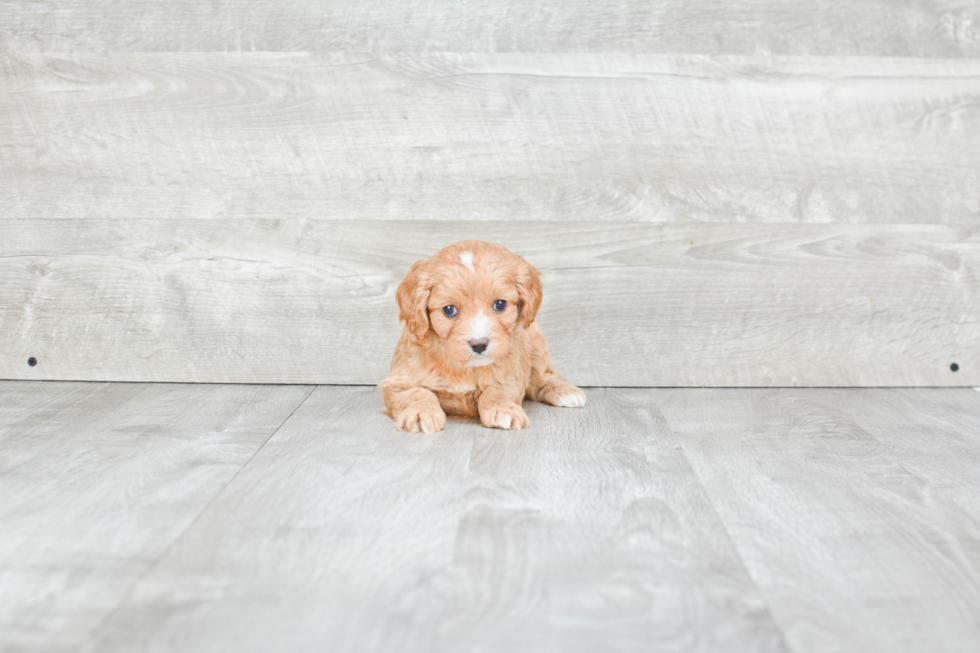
(473, 296)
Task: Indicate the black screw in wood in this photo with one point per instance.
(954, 367)
(32, 361)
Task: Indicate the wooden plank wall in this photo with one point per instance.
(727, 194)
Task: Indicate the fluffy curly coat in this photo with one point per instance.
(470, 345)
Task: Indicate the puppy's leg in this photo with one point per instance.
(554, 390)
(546, 384)
(415, 409)
(500, 408)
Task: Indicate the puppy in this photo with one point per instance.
(470, 345)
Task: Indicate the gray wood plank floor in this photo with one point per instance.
(166, 517)
(98, 480)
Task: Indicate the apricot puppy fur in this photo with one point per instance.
(470, 345)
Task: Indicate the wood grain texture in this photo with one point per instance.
(857, 27)
(586, 532)
(625, 304)
(490, 137)
(741, 520)
(855, 511)
(97, 481)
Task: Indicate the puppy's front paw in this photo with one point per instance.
(421, 417)
(565, 395)
(505, 416)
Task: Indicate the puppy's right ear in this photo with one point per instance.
(413, 299)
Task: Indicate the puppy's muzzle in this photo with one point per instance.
(479, 345)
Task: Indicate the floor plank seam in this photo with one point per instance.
(122, 602)
(731, 541)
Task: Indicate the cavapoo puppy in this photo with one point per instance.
(470, 345)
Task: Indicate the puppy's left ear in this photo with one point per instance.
(413, 299)
(530, 292)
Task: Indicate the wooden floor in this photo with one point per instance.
(170, 517)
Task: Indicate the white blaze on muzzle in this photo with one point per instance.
(479, 332)
(479, 327)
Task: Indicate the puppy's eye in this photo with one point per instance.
(450, 311)
(500, 305)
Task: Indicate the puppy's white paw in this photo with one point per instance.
(565, 395)
(421, 417)
(573, 399)
(505, 416)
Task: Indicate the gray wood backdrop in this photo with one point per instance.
(718, 193)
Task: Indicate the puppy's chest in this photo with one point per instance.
(457, 398)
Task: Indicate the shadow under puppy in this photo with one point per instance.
(470, 345)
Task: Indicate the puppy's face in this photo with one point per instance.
(474, 315)
(473, 296)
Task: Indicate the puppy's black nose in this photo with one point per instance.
(479, 346)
